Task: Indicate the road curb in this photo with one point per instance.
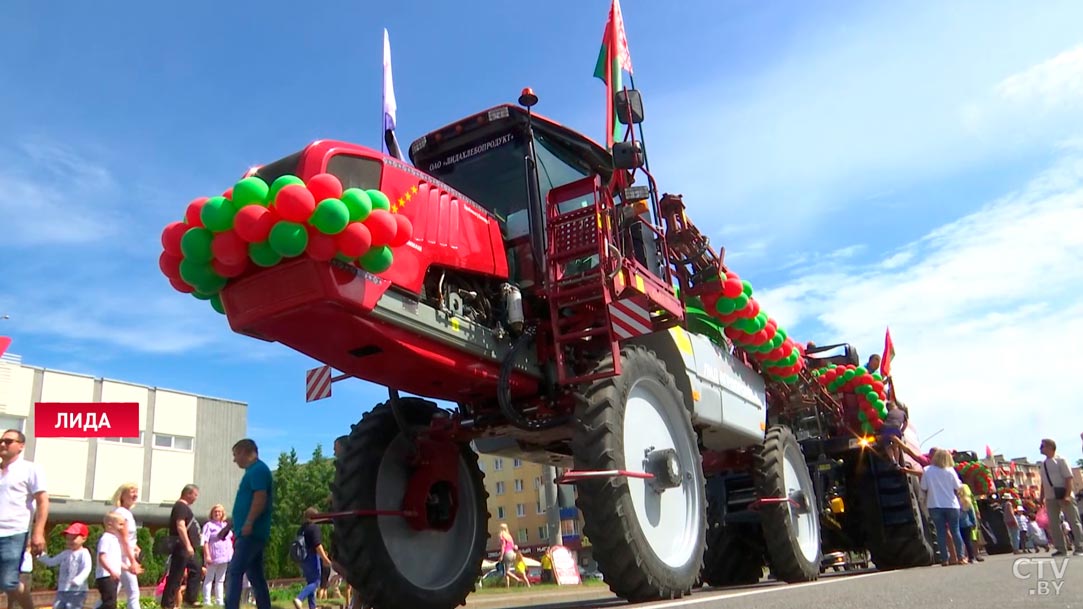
(520, 599)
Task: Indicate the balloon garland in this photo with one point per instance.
(869, 389)
(255, 224)
(981, 480)
(751, 329)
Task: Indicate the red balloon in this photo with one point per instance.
(769, 333)
(354, 241)
(228, 193)
(170, 265)
(710, 302)
(229, 248)
(294, 203)
(180, 286)
(320, 246)
(752, 310)
(775, 353)
(732, 288)
(382, 227)
(253, 223)
(191, 215)
(732, 275)
(171, 238)
(878, 386)
(404, 230)
(230, 270)
(324, 186)
(759, 338)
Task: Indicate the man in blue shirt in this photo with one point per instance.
(252, 526)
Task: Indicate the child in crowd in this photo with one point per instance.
(894, 425)
(75, 564)
(110, 560)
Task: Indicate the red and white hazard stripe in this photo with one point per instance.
(629, 318)
(318, 383)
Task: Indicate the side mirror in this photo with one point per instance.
(627, 155)
(628, 105)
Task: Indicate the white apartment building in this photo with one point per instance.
(184, 438)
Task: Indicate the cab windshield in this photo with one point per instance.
(493, 173)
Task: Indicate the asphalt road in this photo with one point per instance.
(1001, 581)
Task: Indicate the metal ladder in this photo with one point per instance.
(578, 274)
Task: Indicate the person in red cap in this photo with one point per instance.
(75, 564)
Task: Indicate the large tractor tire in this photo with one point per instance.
(648, 535)
(895, 522)
(392, 565)
(791, 529)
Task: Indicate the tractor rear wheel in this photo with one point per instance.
(648, 535)
(791, 528)
(897, 526)
(389, 563)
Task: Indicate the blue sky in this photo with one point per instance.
(911, 164)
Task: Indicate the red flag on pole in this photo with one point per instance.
(988, 452)
(612, 58)
(889, 354)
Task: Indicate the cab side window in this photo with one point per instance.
(354, 171)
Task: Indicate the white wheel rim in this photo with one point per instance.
(429, 560)
(648, 426)
(804, 521)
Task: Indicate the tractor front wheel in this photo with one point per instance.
(791, 516)
(391, 564)
(648, 534)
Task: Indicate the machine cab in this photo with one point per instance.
(485, 158)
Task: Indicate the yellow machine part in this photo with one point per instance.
(837, 505)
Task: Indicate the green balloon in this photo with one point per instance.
(781, 332)
(746, 287)
(860, 371)
(379, 200)
(377, 259)
(263, 255)
(281, 183)
(775, 342)
(876, 376)
(216, 303)
(217, 214)
(880, 405)
(196, 244)
(250, 190)
(861, 416)
(212, 284)
(725, 306)
(344, 258)
(358, 202)
(288, 239)
(202, 296)
(745, 325)
(330, 217)
(195, 273)
(790, 380)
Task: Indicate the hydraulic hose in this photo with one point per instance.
(503, 389)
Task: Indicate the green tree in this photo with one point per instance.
(297, 486)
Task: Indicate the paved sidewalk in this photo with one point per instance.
(548, 596)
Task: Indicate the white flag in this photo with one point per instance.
(390, 107)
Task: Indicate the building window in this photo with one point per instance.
(543, 532)
(518, 485)
(569, 527)
(524, 535)
(541, 510)
(520, 510)
(8, 421)
(133, 441)
(517, 463)
(499, 488)
(537, 482)
(500, 512)
(175, 442)
(498, 464)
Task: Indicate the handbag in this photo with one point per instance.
(1059, 492)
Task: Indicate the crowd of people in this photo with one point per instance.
(1050, 518)
(232, 553)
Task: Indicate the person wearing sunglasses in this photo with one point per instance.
(22, 488)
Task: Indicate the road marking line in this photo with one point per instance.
(720, 597)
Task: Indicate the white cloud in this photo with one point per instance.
(984, 313)
(1051, 83)
(52, 195)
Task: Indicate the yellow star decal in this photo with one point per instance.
(413, 190)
